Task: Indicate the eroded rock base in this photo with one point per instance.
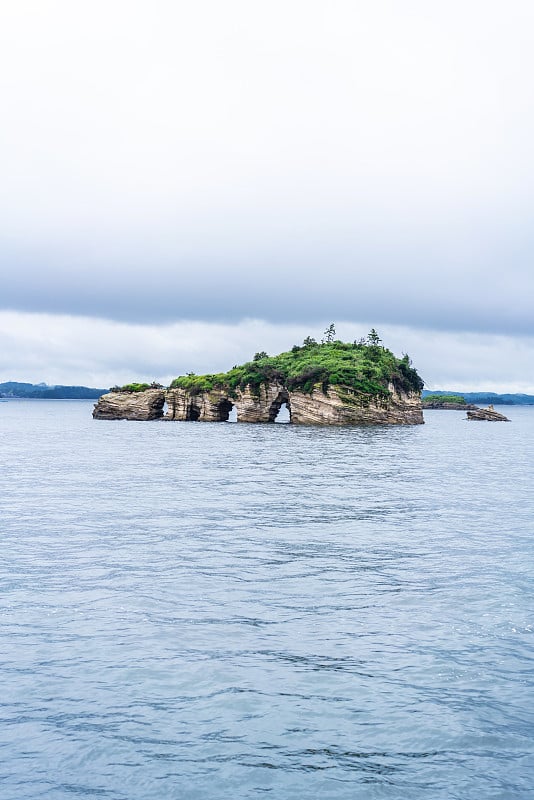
(338, 406)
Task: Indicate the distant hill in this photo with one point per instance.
(42, 391)
(485, 398)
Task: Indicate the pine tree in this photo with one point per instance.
(373, 338)
(329, 334)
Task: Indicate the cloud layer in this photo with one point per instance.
(77, 350)
(290, 162)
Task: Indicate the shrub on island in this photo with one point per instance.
(136, 387)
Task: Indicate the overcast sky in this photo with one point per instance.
(186, 183)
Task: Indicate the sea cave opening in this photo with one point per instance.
(280, 410)
(227, 411)
(193, 413)
(284, 415)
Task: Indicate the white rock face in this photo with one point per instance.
(343, 406)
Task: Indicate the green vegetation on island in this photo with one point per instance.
(364, 366)
(136, 387)
(432, 399)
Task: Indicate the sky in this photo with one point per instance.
(184, 184)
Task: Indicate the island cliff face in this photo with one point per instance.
(337, 406)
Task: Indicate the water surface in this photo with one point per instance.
(209, 611)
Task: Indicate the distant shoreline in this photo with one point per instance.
(485, 398)
(14, 390)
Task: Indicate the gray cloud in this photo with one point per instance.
(428, 288)
(216, 162)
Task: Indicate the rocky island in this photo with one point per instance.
(447, 402)
(327, 383)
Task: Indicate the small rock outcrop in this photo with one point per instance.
(488, 414)
(146, 405)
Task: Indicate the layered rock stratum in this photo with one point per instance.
(337, 406)
(142, 406)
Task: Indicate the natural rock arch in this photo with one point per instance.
(281, 399)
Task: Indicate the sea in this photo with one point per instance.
(201, 611)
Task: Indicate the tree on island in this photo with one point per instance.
(373, 339)
(329, 334)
